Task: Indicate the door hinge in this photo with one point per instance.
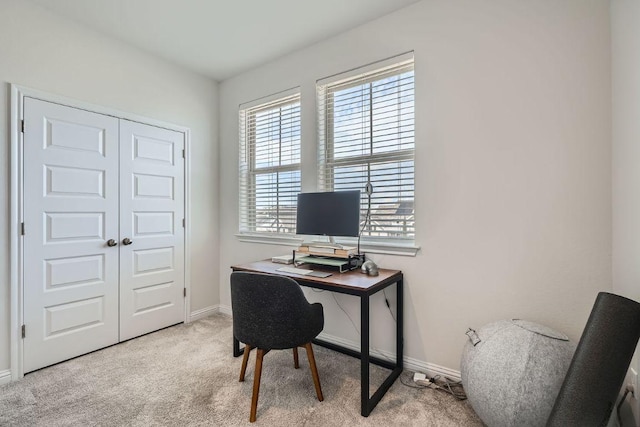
(184, 156)
(24, 332)
(183, 223)
(22, 125)
(185, 292)
(22, 228)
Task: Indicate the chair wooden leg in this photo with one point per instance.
(245, 359)
(314, 370)
(296, 363)
(256, 385)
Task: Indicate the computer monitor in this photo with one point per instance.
(329, 214)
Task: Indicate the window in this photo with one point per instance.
(366, 134)
(270, 165)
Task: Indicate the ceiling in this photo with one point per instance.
(221, 38)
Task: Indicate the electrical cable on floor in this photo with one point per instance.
(409, 381)
(450, 386)
(438, 382)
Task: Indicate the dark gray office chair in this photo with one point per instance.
(271, 313)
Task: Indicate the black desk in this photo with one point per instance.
(360, 285)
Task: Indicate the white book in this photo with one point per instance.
(321, 250)
(283, 259)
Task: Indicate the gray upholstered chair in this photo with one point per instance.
(271, 313)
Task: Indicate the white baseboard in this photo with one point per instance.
(410, 363)
(431, 369)
(5, 377)
(225, 309)
(204, 312)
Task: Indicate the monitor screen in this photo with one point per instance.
(329, 214)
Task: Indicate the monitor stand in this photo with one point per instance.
(324, 244)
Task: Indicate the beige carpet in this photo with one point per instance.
(186, 375)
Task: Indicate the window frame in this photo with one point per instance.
(248, 171)
(325, 90)
(309, 167)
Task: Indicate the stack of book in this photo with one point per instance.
(327, 251)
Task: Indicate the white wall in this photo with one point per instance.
(513, 160)
(625, 28)
(625, 61)
(42, 51)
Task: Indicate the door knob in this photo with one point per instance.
(111, 242)
(127, 241)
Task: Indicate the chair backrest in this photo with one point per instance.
(271, 312)
(599, 365)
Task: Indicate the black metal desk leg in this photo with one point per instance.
(399, 324)
(365, 410)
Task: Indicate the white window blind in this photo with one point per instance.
(366, 134)
(270, 165)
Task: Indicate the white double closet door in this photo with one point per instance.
(103, 209)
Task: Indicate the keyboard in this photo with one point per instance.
(294, 270)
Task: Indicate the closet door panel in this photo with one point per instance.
(151, 214)
(70, 206)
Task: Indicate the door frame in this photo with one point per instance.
(16, 191)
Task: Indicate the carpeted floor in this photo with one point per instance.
(186, 376)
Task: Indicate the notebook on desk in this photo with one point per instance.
(286, 259)
(303, 272)
(283, 259)
(319, 274)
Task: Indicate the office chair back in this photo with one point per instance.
(271, 312)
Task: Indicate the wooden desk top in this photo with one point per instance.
(352, 282)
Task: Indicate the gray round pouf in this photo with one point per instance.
(513, 373)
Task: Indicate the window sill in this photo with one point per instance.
(375, 247)
(275, 239)
(390, 248)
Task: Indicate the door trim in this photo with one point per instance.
(16, 190)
